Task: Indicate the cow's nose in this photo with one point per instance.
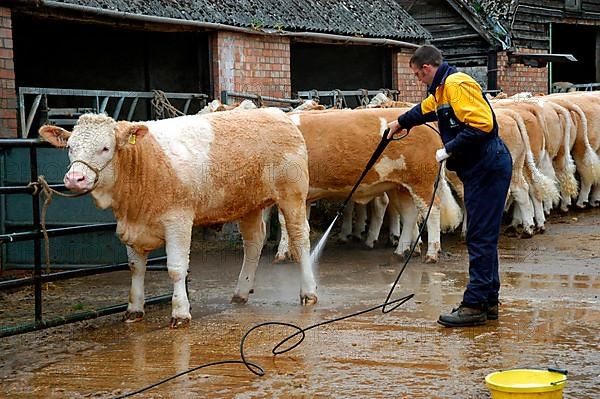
(75, 181)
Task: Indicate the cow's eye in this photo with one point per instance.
(105, 149)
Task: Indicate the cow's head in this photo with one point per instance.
(92, 146)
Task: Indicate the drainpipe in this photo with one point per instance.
(492, 70)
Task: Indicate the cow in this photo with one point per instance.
(585, 112)
(340, 142)
(162, 177)
(542, 187)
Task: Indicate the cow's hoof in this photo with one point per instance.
(595, 203)
(394, 240)
(511, 231)
(564, 209)
(369, 245)
(132, 317)
(308, 299)
(279, 259)
(431, 259)
(178, 322)
(526, 234)
(540, 230)
(581, 205)
(239, 300)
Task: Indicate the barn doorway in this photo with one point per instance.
(344, 67)
(582, 41)
(66, 54)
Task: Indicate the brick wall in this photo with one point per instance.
(8, 97)
(518, 78)
(408, 86)
(251, 64)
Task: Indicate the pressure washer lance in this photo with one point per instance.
(301, 332)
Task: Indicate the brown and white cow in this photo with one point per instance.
(585, 112)
(340, 142)
(162, 177)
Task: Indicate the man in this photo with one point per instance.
(481, 160)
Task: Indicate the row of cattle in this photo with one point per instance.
(162, 177)
(554, 141)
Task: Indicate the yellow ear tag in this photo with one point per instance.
(132, 138)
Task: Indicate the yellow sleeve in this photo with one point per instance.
(469, 105)
(428, 105)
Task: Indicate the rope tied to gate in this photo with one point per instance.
(162, 107)
(40, 187)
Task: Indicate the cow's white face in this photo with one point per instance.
(92, 146)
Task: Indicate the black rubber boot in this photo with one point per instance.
(492, 312)
(463, 316)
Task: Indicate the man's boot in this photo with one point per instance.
(463, 316)
(492, 312)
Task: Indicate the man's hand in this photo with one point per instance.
(441, 155)
(394, 127)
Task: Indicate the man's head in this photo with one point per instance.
(425, 62)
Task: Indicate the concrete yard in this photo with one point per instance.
(550, 317)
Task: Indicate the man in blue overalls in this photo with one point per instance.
(481, 160)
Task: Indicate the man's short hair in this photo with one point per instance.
(427, 54)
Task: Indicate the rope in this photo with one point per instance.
(162, 107)
(41, 186)
(364, 100)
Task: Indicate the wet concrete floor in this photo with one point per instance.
(550, 317)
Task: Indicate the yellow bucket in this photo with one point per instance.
(526, 384)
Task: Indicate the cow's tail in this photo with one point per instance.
(591, 162)
(566, 172)
(543, 186)
(450, 212)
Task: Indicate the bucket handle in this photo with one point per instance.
(560, 371)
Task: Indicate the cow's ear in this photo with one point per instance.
(57, 136)
(128, 133)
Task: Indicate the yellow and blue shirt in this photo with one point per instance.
(465, 118)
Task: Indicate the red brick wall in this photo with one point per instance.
(517, 78)
(8, 96)
(251, 64)
(408, 86)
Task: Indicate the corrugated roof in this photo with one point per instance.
(374, 18)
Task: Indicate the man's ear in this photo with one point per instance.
(57, 136)
(127, 133)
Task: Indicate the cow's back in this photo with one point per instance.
(340, 142)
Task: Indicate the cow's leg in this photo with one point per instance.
(294, 213)
(378, 207)
(584, 193)
(346, 229)
(394, 222)
(525, 213)
(433, 234)
(405, 206)
(361, 222)
(137, 265)
(178, 238)
(595, 198)
(283, 247)
(252, 228)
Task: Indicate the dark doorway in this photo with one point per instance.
(329, 67)
(70, 55)
(580, 41)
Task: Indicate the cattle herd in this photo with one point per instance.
(162, 177)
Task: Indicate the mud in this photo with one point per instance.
(549, 317)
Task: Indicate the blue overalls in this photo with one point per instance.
(482, 162)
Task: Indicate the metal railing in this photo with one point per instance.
(36, 235)
(338, 98)
(98, 101)
(575, 87)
